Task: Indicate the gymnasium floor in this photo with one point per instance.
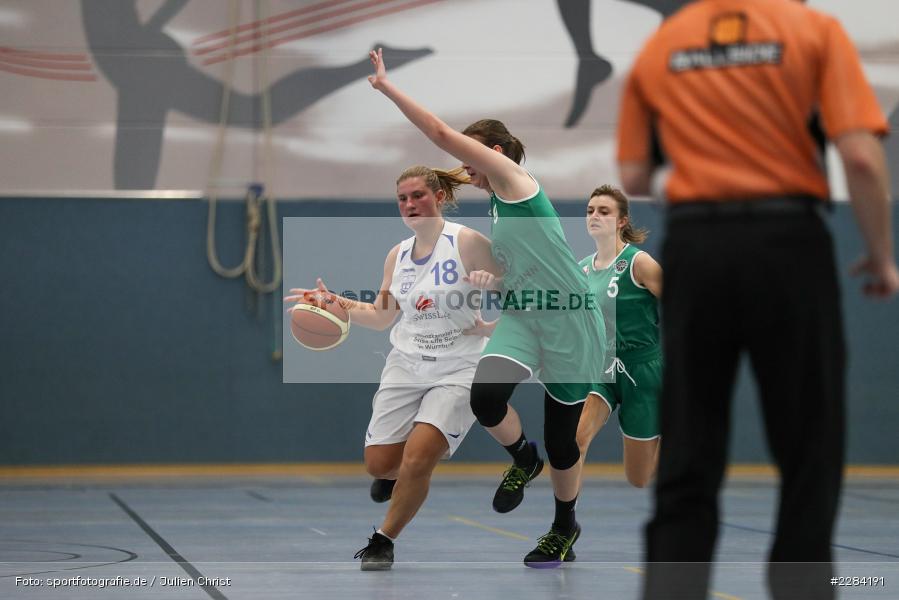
(294, 536)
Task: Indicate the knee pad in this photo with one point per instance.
(489, 403)
(562, 451)
(494, 381)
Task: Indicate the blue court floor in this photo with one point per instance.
(276, 537)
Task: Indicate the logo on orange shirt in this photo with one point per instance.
(728, 29)
(727, 48)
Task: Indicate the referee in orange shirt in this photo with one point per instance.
(741, 95)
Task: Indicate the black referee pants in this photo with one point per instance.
(763, 283)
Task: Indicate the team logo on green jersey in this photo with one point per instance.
(502, 259)
(620, 266)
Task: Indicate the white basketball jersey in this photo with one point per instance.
(437, 304)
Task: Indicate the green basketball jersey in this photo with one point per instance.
(636, 319)
(528, 242)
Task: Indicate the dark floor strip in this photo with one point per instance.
(893, 501)
(771, 533)
(865, 551)
(167, 548)
(258, 496)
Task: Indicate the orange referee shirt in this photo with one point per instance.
(730, 87)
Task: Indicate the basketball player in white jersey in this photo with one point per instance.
(421, 411)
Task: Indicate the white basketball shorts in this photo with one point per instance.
(418, 391)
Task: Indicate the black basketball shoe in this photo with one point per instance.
(510, 492)
(553, 549)
(382, 489)
(378, 555)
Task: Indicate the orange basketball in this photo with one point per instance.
(319, 322)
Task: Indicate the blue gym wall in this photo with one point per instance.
(120, 345)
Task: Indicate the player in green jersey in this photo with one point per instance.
(622, 273)
(549, 329)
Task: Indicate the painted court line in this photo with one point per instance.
(464, 521)
(182, 562)
(316, 479)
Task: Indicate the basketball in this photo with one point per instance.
(319, 323)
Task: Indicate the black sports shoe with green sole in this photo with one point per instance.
(378, 555)
(510, 492)
(553, 549)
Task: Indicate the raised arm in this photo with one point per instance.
(378, 316)
(509, 180)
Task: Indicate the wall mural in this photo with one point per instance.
(104, 95)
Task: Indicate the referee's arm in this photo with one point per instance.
(635, 177)
(635, 166)
(869, 192)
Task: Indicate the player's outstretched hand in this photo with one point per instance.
(484, 280)
(882, 277)
(314, 296)
(377, 61)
